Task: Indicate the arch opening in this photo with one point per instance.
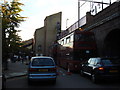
(112, 44)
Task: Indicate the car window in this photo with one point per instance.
(110, 62)
(97, 61)
(92, 61)
(106, 62)
(42, 62)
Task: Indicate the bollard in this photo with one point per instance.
(68, 71)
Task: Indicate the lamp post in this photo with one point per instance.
(66, 22)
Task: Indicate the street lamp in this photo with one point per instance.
(66, 22)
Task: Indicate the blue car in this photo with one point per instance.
(42, 68)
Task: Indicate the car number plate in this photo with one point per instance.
(43, 70)
(113, 71)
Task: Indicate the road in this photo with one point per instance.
(63, 81)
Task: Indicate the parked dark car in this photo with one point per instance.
(101, 68)
(42, 68)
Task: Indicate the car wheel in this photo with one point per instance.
(94, 78)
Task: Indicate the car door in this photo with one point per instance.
(85, 66)
(91, 66)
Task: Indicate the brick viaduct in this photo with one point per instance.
(106, 26)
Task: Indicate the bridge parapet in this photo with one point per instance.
(102, 17)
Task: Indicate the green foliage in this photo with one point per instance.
(11, 20)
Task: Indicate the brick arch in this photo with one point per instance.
(112, 43)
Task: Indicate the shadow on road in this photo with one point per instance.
(42, 83)
(105, 81)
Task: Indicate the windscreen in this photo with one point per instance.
(42, 62)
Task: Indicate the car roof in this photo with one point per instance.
(42, 57)
(101, 58)
(95, 58)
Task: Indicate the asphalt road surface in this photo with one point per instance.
(63, 81)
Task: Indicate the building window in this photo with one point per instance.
(68, 39)
(71, 38)
(63, 42)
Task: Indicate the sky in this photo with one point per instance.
(37, 10)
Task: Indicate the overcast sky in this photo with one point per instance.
(37, 10)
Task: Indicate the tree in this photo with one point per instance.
(11, 20)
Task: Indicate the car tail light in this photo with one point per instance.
(100, 68)
(32, 69)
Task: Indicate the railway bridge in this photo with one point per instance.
(106, 26)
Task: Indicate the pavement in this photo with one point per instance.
(19, 69)
(16, 69)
